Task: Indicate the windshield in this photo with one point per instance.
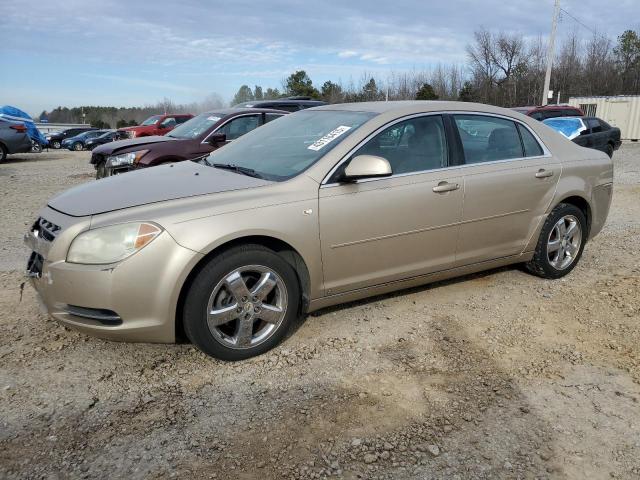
(105, 134)
(195, 127)
(282, 149)
(151, 120)
(570, 127)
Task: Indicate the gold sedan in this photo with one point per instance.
(320, 207)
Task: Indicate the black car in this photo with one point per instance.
(291, 104)
(55, 139)
(589, 132)
(108, 137)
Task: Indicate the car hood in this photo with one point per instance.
(157, 184)
(120, 145)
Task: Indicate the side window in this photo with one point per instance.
(239, 126)
(268, 117)
(414, 145)
(537, 116)
(168, 122)
(531, 146)
(487, 139)
(594, 125)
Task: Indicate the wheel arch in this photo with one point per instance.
(284, 249)
(580, 202)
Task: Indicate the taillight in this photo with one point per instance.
(19, 128)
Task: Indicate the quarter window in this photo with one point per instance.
(531, 146)
(414, 145)
(487, 139)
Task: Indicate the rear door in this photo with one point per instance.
(599, 137)
(509, 181)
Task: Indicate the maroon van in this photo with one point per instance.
(194, 138)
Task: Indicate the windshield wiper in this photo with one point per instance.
(250, 172)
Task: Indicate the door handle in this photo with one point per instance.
(542, 173)
(444, 187)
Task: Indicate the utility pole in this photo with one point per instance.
(552, 41)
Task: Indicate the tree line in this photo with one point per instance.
(502, 69)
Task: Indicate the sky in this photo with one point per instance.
(128, 52)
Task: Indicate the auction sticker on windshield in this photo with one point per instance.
(328, 138)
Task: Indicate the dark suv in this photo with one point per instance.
(55, 139)
(291, 104)
(549, 111)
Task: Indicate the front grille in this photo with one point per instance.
(45, 229)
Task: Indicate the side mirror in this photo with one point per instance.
(367, 166)
(216, 139)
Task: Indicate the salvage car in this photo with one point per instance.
(194, 138)
(157, 125)
(55, 139)
(14, 138)
(589, 132)
(78, 142)
(321, 207)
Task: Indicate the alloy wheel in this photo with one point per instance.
(563, 244)
(247, 306)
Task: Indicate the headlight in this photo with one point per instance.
(111, 244)
(125, 158)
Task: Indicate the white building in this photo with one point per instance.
(622, 111)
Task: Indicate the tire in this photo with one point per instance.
(558, 251)
(36, 147)
(609, 150)
(56, 144)
(101, 170)
(3, 153)
(228, 287)
(77, 146)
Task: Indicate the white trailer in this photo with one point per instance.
(622, 111)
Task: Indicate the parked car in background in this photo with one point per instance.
(110, 136)
(320, 207)
(78, 142)
(13, 138)
(291, 104)
(157, 125)
(55, 139)
(194, 138)
(590, 132)
(550, 111)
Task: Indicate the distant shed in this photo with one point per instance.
(622, 111)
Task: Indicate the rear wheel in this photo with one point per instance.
(561, 242)
(242, 303)
(610, 150)
(56, 144)
(3, 152)
(77, 146)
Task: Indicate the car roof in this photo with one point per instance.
(284, 101)
(223, 112)
(417, 106)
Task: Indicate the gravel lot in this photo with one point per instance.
(496, 375)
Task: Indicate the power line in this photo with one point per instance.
(562, 10)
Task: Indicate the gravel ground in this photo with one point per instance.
(495, 375)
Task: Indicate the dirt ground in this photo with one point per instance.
(496, 375)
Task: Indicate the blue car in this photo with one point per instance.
(78, 142)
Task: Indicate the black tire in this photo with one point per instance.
(56, 144)
(540, 264)
(101, 170)
(77, 146)
(203, 285)
(3, 153)
(610, 150)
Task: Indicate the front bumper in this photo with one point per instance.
(133, 300)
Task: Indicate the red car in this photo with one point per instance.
(157, 125)
(193, 139)
(550, 111)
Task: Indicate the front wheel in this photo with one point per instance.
(610, 150)
(77, 146)
(101, 170)
(56, 144)
(561, 242)
(242, 303)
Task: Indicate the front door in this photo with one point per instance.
(509, 182)
(381, 230)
